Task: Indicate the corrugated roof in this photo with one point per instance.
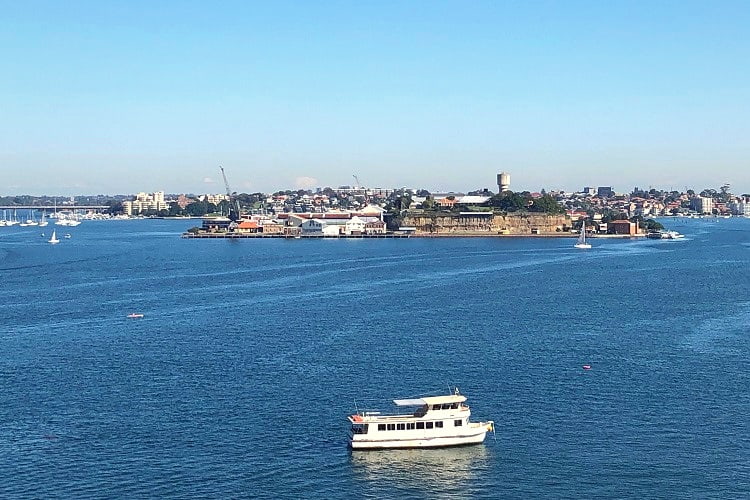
(473, 199)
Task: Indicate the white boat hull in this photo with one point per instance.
(421, 442)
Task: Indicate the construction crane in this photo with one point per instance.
(234, 204)
(359, 187)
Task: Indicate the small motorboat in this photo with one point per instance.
(135, 315)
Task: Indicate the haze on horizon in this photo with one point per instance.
(105, 97)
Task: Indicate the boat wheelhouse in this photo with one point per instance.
(437, 421)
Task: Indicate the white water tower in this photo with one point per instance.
(503, 181)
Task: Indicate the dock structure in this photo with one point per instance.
(233, 236)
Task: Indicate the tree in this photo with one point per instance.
(611, 215)
(115, 207)
(199, 208)
(725, 195)
(175, 210)
(546, 204)
(402, 202)
(393, 221)
(651, 225)
(508, 201)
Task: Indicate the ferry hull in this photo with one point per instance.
(432, 442)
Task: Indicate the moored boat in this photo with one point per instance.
(437, 421)
(665, 235)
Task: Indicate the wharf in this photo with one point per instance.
(238, 236)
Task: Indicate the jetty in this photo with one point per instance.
(241, 236)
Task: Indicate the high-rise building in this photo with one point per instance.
(702, 205)
(145, 202)
(740, 207)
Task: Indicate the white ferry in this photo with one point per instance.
(665, 235)
(437, 421)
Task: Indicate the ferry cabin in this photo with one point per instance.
(437, 421)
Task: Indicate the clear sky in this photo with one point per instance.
(118, 97)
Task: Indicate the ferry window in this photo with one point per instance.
(420, 425)
(429, 425)
(446, 406)
(381, 427)
(391, 427)
(458, 423)
(436, 407)
(400, 427)
(439, 424)
(410, 425)
(359, 428)
(454, 406)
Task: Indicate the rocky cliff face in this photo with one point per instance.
(488, 223)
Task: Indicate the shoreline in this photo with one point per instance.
(233, 236)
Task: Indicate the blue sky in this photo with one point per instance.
(119, 97)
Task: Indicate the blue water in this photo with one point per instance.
(238, 380)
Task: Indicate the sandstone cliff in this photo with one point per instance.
(487, 223)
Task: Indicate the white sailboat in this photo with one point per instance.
(582, 238)
(30, 221)
(43, 222)
(54, 239)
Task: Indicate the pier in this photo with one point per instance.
(233, 236)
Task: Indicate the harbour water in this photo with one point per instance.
(238, 379)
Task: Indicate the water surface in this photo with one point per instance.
(237, 381)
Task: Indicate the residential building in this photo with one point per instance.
(740, 207)
(702, 205)
(144, 202)
(214, 198)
